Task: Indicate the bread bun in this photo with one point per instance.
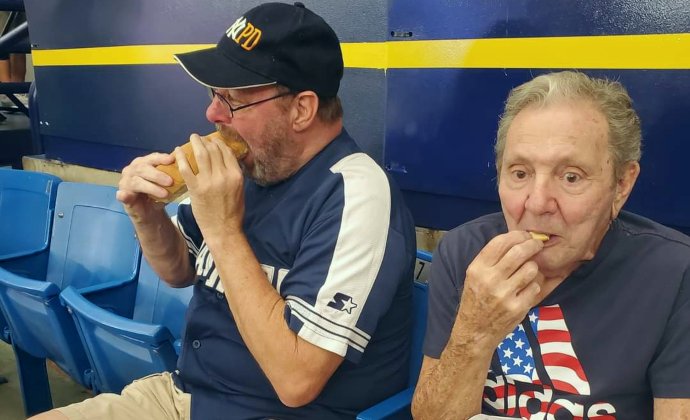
(178, 187)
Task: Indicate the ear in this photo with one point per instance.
(304, 107)
(624, 186)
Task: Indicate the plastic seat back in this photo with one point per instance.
(158, 303)
(398, 406)
(27, 200)
(93, 242)
(420, 308)
(93, 247)
(123, 347)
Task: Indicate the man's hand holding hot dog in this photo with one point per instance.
(164, 248)
(140, 179)
(216, 190)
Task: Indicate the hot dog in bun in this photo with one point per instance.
(178, 187)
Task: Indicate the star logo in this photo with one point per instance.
(342, 302)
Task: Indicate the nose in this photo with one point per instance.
(217, 113)
(541, 198)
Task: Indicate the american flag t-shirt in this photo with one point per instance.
(558, 357)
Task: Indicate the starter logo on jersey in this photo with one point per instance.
(342, 302)
(244, 33)
(530, 380)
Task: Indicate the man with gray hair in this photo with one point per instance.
(562, 305)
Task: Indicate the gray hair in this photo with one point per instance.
(610, 97)
(330, 109)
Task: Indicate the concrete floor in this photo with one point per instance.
(64, 390)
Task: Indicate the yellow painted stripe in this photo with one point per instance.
(665, 51)
(109, 56)
(654, 51)
(368, 55)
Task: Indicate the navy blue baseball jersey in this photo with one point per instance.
(338, 244)
(607, 341)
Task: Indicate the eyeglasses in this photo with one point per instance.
(213, 94)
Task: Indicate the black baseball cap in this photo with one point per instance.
(272, 43)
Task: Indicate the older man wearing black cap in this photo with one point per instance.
(327, 334)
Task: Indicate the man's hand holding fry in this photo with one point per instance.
(501, 285)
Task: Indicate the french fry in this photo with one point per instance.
(539, 236)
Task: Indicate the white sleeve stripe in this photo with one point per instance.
(311, 309)
(362, 237)
(204, 260)
(190, 244)
(318, 336)
(300, 308)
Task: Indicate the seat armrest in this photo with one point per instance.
(23, 253)
(40, 288)
(424, 255)
(394, 407)
(147, 333)
(116, 297)
(100, 287)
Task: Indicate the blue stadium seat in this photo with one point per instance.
(398, 406)
(27, 200)
(93, 248)
(126, 346)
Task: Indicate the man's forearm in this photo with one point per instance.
(164, 248)
(452, 386)
(297, 369)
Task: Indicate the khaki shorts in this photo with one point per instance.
(152, 397)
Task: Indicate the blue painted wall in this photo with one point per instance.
(432, 128)
(104, 116)
(441, 123)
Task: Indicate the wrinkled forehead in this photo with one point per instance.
(559, 131)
